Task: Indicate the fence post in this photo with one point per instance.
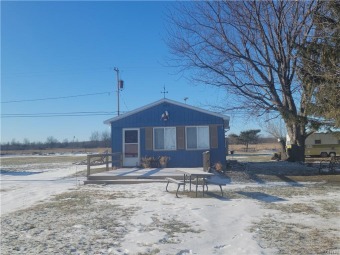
(88, 165)
(107, 162)
(206, 161)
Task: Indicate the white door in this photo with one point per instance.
(131, 147)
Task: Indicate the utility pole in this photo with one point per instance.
(119, 85)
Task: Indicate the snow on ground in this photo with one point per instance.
(217, 228)
(145, 219)
(23, 189)
(25, 184)
(161, 223)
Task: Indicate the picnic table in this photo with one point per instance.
(189, 175)
(194, 174)
(332, 165)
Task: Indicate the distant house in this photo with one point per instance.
(169, 128)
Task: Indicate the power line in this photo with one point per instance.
(51, 113)
(54, 98)
(63, 114)
(50, 116)
(56, 114)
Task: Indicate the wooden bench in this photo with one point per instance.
(213, 182)
(179, 183)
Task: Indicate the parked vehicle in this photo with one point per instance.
(323, 144)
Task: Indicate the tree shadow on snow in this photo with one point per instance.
(289, 181)
(217, 196)
(17, 173)
(261, 196)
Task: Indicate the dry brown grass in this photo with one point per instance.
(283, 231)
(53, 151)
(256, 147)
(81, 220)
(19, 161)
(87, 220)
(234, 147)
(293, 238)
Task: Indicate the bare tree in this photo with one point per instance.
(105, 138)
(94, 138)
(274, 128)
(26, 144)
(51, 142)
(249, 48)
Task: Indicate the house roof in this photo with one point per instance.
(165, 100)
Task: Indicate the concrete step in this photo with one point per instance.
(125, 181)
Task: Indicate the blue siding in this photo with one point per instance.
(178, 116)
(117, 139)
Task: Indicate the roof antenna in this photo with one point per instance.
(185, 100)
(164, 91)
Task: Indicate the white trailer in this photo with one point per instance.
(323, 144)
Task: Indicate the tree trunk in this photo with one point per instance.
(297, 135)
(283, 149)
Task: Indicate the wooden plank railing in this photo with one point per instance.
(103, 159)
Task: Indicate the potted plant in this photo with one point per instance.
(218, 167)
(163, 161)
(147, 161)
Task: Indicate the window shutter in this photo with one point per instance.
(180, 138)
(213, 136)
(149, 138)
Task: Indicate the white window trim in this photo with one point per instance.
(154, 139)
(186, 137)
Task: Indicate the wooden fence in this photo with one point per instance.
(104, 159)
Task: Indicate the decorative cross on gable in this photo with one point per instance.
(164, 91)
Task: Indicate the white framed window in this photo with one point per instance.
(197, 138)
(164, 138)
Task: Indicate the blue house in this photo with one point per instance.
(169, 128)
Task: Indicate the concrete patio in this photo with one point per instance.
(136, 175)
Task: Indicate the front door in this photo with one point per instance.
(131, 147)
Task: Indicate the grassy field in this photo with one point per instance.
(249, 167)
(82, 219)
(54, 151)
(255, 147)
(235, 147)
(296, 220)
(41, 160)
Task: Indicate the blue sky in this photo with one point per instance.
(61, 49)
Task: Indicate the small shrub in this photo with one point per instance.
(148, 162)
(219, 168)
(163, 161)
